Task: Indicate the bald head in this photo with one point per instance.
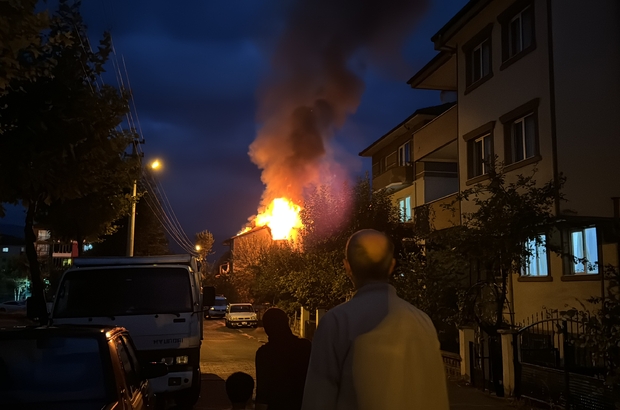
(370, 255)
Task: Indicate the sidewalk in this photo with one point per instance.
(464, 397)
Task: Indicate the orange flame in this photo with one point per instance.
(282, 217)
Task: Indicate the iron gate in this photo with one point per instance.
(552, 369)
(486, 362)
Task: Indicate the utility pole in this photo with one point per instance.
(131, 223)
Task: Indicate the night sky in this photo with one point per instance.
(200, 71)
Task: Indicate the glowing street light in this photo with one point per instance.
(131, 231)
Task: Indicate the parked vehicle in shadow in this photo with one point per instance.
(13, 306)
(71, 367)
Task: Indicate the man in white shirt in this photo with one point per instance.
(376, 351)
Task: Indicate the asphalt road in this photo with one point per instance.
(225, 351)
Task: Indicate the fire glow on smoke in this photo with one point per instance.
(282, 217)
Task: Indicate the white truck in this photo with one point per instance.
(159, 299)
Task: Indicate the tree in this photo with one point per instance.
(22, 48)
(149, 239)
(14, 276)
(431, 279)
(59, 132)
(492, 237)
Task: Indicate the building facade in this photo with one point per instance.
(536, 85)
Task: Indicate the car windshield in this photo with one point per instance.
(51, 370)
(127, 291)
(241, 308)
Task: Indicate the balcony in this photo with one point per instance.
(434, 216)
(394, 178)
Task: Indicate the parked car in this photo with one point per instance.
(240, 314)
(71, 368)
(13, 306)
(218, 310)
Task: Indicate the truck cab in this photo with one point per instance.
(158, 299)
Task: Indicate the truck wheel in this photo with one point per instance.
(187, 398)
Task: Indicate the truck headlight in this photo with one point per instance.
(212, 308)
(182, 360)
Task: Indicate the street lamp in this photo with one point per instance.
(131, 231)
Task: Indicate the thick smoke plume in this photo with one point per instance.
(315, 83)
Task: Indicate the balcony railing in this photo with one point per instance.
(396, 176)
(439, 214)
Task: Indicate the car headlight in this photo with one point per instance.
(182, 360)
(212, 308)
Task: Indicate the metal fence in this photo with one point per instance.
(554, 369)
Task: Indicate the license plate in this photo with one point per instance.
(244, 323)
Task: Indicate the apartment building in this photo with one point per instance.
(417, 162)
(537, 85)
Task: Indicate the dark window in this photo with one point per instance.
(404, 154)
(478, 57)
(523, 138)
(480, 154)
(521, 132)
(518, 32)
(482, 151)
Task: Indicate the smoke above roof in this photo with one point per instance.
(315, 83)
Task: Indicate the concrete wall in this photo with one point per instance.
(507, 89)
(586, 54)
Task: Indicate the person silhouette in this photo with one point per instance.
(239, 389)
(375, 351)
(281, 365)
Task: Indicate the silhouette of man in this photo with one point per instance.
(239, 389)
(281, 365)
(375, 351)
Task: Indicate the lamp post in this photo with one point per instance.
(131, 229)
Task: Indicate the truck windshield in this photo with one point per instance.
(220, 302)
(123, 291)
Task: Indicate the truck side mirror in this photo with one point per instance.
(208, 296)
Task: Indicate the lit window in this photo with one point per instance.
(43, 235)
(404, 154)
(5, 250)
(523, 141)
(584, 246)
(536, 263)
(404, 205)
